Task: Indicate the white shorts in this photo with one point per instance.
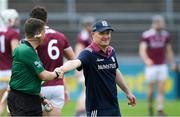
(55, 94)
(4, 73)
(156, 73)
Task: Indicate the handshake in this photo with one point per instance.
(59, 73)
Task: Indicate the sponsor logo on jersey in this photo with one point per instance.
(98, 59)
(107, 66)
(37, 64)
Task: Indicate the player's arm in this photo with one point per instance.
(69, 54)
(121, 83)
(47, 75)
(66, 92)
(4, 79)
(78, 48)
(170, 56)
(143, 53)
(83, 60)
(69, 65)
(14, 44)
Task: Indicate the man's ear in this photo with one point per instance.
(38, 35)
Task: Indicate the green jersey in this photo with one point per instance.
(26, 66)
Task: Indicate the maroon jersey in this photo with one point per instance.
(84, 38)
(156, 42)
(51, 53)
(6, 36)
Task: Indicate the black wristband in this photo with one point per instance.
(57, 74)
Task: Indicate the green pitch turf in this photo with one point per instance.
(172, 108)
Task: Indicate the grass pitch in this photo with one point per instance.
(172, 108)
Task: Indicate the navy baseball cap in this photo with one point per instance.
(101, 26)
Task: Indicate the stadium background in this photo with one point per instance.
(129, 18)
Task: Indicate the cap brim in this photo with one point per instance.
(105, 29)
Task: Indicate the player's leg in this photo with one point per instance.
(150, 98)
(80, 105)
(160, 97)
(4, 78)
(55, 112)
(57, 101)
(55, 94)
(2, 103)
(150, 74)
(163, 74)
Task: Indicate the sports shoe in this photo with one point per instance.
(151, 112)
(161, 113)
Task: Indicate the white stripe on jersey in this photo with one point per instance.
(94, 113)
